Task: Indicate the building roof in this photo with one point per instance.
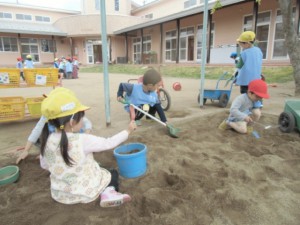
(90, 24)
(182, 14)
(30, 28)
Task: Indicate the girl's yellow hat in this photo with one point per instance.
(61, 103)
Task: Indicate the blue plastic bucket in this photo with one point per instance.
(131, 159)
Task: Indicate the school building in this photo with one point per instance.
(163, 31)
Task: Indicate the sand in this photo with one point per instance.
(206, 176)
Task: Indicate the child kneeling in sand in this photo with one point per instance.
(246, 108)
(68, 155)
(143, 96)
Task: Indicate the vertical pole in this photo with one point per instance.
(297, 16)
(105, 61)
(254, 18)
(203, 53)
(71, 46)
(178, 41)
(161, 44)
(142, 48)
(19, 44)
(54, 46)
(209, 28)
(126, 48)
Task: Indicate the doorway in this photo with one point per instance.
(97, 49)
(190, 48)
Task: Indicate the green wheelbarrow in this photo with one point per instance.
(290, 118)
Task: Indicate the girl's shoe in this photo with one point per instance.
(112, 198)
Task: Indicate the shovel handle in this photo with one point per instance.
(147, 114)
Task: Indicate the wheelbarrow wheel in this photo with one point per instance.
(223, 100)
(286, 122)
(198, 99)
(165, 99)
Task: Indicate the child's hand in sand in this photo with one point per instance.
(248, 119)
(22, 156)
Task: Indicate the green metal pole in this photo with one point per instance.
(105, 61)
(203, 52)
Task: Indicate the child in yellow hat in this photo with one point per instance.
(28, 62)
(68, 155)
(250, 61)
(33, 139)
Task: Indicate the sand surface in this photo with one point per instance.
(206, 176)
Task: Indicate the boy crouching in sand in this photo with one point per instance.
(246, 108)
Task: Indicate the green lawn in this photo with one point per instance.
(273, 74)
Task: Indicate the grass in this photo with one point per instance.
(278, 74)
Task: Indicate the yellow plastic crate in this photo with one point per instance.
(34, 106)
(41, 77)
(9, 78)
(12, 108)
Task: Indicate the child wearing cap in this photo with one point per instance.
(143, 95)
(244, 110)
(35, 134)
(68, 155)
(250, 62)
(56, 63)
(28, 62)
(20, 67)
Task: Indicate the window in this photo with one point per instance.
(146, 44)
(262, 30)
(4, 15)
(137, 50)
(117, 5)
(8, 44)
(42, 18)
(279, 48)
(186, 44)
(189, 3)
(23, 17)
(199, 39)
(48, 45)
(30, 47)
(171, 43)
(97, 4)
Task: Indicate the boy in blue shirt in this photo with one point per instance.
(143, 95)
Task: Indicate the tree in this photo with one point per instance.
(292, 41)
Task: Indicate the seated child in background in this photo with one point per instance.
(37, 130)
(68, 155)
(143, 95)
(246, 108)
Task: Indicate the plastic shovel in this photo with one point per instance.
(266, 127)
(172, 130)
